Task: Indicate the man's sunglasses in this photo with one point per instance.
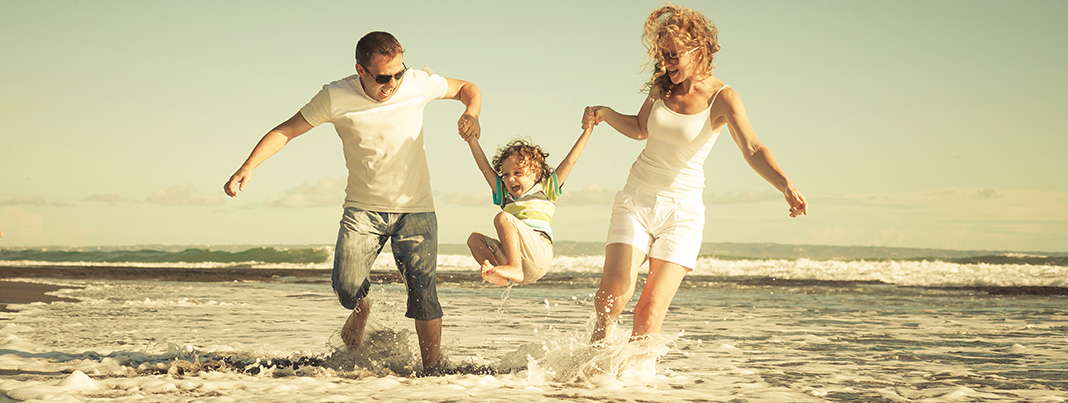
(384, 78)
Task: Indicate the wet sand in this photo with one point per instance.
(156, 273)
(19, 292)
(206, 274)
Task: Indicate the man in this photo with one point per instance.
(378, 113)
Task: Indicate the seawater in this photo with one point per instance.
(758, 329)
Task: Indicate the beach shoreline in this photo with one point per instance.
(472, 277)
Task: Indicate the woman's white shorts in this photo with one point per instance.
(664, 226)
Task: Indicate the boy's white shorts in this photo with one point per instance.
(536, 250)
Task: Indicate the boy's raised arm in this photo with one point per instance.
(564, 169)
(482, 162)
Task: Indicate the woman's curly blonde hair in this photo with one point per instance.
(528, 155)
(688, 29)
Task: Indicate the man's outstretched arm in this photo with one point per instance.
(271, 142)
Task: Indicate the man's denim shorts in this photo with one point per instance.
(414, 239)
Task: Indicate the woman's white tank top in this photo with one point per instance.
(675, 151)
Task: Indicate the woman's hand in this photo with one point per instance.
(237, 182)
(798, 205)
(593, 115)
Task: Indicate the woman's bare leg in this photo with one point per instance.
(660, 287)
(620, 273)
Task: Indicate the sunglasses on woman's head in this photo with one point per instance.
(384, 78)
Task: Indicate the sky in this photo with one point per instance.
(905, 123)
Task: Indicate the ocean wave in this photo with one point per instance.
(903, 273)
(458, 255)
(582, 270)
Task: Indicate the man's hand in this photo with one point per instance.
(468, 127)
(237, 182)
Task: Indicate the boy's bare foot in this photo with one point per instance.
(491, 275)
(513, 274)
(501, 275)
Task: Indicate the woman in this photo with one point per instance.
(659, 215)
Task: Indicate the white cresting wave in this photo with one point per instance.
(896, 272)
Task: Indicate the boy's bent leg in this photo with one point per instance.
(487, 253)
(484, 248)
(512, 268)
(415, 248)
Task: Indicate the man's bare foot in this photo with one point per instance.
(491, 275)
(353, 329)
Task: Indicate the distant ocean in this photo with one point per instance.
(752, 322)
(305, 254)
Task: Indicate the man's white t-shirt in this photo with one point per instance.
(382, 141)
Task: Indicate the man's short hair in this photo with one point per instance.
(378, 42)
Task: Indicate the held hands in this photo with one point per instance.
(468, 127)
(237, 182)
(592, 116)
(798, 205)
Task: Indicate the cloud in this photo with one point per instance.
(987, 193)
(596, 195)
(986, 204)
(741, 197)
(108, 198)
(465, 199)
(184, 195)
(899, 199)
(30, 201)
(589, 195)
(326, 192)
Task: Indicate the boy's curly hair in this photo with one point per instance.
(528, 155)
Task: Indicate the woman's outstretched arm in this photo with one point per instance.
(632, 126)
(758, 155)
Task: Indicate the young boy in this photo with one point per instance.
(526, 189)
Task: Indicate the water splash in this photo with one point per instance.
(505, 295)
(569, 358)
